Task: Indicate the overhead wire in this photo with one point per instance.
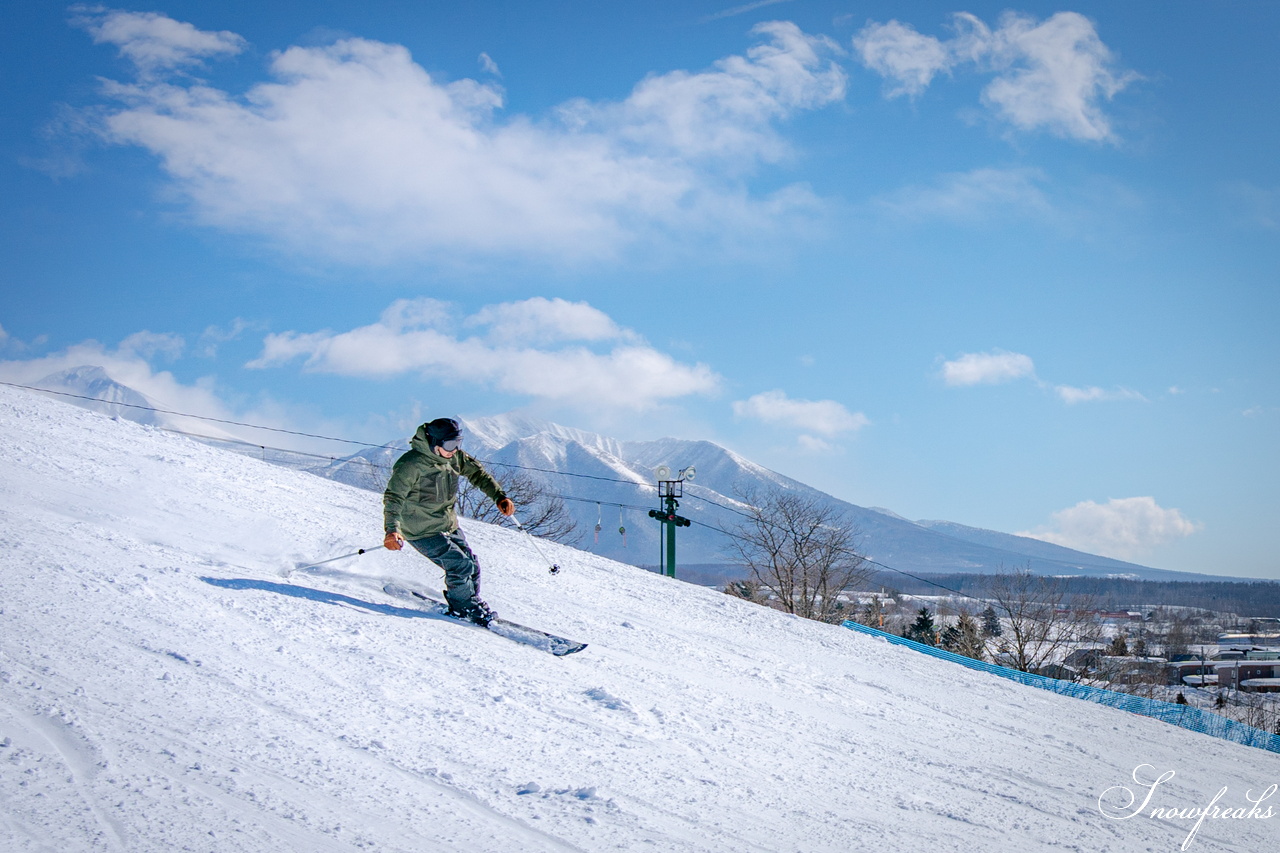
(188, 415)
(264, 447)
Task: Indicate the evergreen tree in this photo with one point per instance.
(991, 623)
(748, 590)
(923, 630)
(1119, 647)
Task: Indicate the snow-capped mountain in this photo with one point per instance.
(610, 485)
(96, 390)
(596, 474)
(91, 387)
(167, 683)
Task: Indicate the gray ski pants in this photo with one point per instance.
(451, 552)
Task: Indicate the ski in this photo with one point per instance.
(558, 646)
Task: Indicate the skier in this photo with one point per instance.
(418, 508)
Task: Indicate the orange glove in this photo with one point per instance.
(393, 541)
(506, 507)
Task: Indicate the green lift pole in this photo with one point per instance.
(669, 492)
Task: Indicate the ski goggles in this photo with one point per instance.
(451, 445)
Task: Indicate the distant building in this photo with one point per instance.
(1131, 669)
(1250, 675)
(1059, 671)
(1192, 673)
(1085, 658)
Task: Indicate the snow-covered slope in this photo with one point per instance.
(163, 686)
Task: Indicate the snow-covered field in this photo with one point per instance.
(164, 686)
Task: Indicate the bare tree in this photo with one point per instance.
(541, 511)
(802, 551)
(1040, 623)
(872, 612)
(1255, 709)
(1177, 636)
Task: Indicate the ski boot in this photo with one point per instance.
(476, 611)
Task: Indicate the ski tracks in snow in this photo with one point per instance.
(50, 757)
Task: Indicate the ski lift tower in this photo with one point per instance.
(669, 492)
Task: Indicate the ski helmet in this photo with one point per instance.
(444, 429)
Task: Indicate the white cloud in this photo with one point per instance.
(743, 9)
(488, 65)
(154, 42)
(146, 345)
(1053, 76)
(214, 336)
(510, 353)
(1093, 394)
(127, 364)
(813, 444)
(726, 114)
(541, 321)
(987, 368)
(999, 366)
(899, 53)
(1125, 528)
(1050, 75)
(824, 417)
(972, 196)
(354, 151)
(10, 344)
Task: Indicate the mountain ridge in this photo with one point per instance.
(938, 547)
(603, 477)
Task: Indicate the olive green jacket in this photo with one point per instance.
(423, 489)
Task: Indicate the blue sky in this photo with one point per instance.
(1011, 266)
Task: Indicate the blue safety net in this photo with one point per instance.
(1186, 716)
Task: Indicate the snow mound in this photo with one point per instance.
(166, 683)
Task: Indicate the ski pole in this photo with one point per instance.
(555, 569)
(301, 566)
